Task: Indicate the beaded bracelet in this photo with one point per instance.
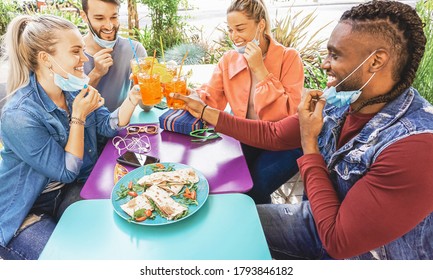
(202, 112)
(77, 121)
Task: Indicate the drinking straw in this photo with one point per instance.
(181, 64)
(153, 62)
(162, 49)
(135, 54)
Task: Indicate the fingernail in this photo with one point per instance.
(85, 86)
(171, 94)
(137, 88)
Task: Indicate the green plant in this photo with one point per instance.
(166, 23)
(294, 31)
(195, 55)
(64, 10)
(424, 76)
(8, 10)
(213, 50)
(315, 76)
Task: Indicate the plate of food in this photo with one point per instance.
(159, 194)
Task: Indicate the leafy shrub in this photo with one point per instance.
(214, 50)
(424, 76)
(166, 24)
(72, 13)
(8, 10)
(195, 55)
(293, 31)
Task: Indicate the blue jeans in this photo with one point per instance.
(269, 170)
(28, 243)
(290, 231)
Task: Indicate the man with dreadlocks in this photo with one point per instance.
(367, 143)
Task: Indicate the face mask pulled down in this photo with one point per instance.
(72, 83)
(102, 43)
(344, 98)
(241, 49)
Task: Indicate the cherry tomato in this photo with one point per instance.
(132, 193)
(140, 219)
(148, 213)
(193, 195)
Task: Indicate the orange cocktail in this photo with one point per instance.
(143, 66)
(150, 88)
(178, 85)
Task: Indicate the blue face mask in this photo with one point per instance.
(241, 50)
(344, 98)
(102, 43)
(72, 83)
(340, 98)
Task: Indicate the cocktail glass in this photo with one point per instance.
(177, 85)
(150, 88)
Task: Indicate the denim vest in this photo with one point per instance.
(35, 132)
(408, 114)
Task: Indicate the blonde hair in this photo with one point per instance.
(26, 36)
(253, 9)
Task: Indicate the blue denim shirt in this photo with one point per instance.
(35, 132)
(408, 114)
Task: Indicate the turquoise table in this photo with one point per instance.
(226, 227)
(139, 116)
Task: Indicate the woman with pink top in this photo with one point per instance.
(261, 80)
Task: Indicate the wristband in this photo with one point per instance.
(130, 100)
(202, 112)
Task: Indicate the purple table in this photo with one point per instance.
(221, 161)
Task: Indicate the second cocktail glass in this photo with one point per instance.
(177, 85)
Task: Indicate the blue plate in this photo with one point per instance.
(134, 175)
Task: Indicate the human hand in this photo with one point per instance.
(193, 103)
(310, 119)
(202, 93)
(134, 95)
(253, 55)
(87, 101)
(103, 61)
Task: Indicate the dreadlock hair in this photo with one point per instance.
(399, 25)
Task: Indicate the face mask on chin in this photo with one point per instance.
(72, 83)
(344, 98)
(102, 43)
(241, 50)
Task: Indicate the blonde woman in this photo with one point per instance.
(49, 127)
(261, 80)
